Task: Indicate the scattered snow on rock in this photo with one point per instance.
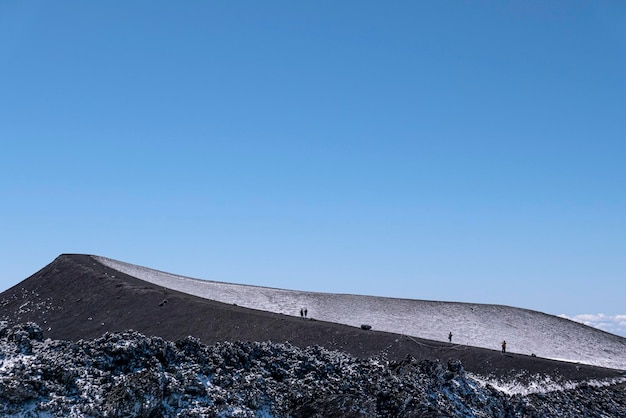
(129, 374)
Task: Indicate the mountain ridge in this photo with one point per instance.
(472, 324)
(77, 297)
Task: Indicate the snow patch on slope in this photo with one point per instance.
(480, 325)
(521, 385)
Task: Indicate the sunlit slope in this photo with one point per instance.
(480, 325)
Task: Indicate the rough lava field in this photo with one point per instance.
(129, 374)
(89, 336)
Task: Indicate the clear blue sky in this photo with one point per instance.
(462, 151)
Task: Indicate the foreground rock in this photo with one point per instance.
(129, 374)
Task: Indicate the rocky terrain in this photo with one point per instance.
(129, 374)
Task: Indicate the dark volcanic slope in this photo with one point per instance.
(75, 297)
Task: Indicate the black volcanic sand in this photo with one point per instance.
(76, 297)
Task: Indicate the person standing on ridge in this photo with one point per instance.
(305, 312)
(450, 336)
(503, 346)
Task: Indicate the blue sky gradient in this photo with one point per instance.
(462, 151)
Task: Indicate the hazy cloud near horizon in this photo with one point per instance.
(615, 324)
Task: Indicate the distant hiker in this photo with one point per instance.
(301, 313)
(503, 347)
(450, 336)
(305, 312)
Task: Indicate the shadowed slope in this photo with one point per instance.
(77, 297)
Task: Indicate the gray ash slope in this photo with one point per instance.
(83, 361)
(128, 374)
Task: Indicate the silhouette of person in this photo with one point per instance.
(305, 312)
(450, 336)
(503, 347)
(301, 313)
